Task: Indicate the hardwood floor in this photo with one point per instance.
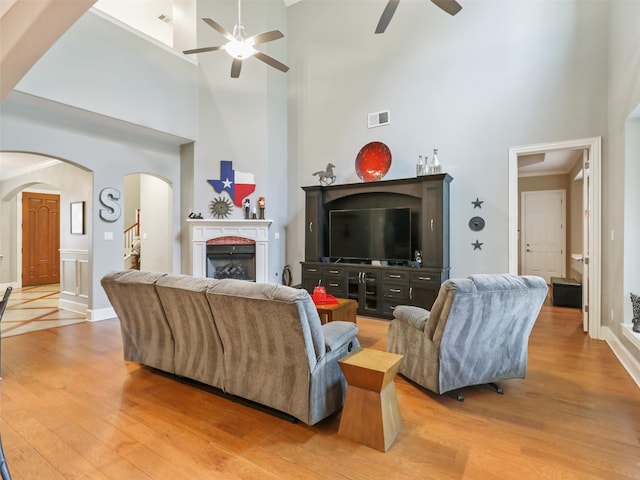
(35, 308)
(72, 408)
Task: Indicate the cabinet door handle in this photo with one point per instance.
(394, 276)
(312, 270)
(333, 285)
(335, 272)
(310, 227)
(428, 279)
(432, 224)
(320, 281)
(410, 293)
(394, 290)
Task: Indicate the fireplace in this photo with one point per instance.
(205, 231)
(231, 257)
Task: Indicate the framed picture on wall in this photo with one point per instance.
(77, 218)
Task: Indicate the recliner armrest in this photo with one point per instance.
(337, 334)
(415, 316)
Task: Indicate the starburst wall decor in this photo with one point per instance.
(220, 207)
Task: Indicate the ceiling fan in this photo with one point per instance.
(450, 6)
(240, 47)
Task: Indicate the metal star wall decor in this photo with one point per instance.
(220, 207)
(477, 245)
(478, 203)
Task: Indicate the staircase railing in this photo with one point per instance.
(131, 238)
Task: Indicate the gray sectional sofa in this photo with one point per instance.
(260, 342)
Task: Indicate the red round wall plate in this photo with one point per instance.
(373, 161)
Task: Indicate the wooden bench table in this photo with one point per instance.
(371, 415)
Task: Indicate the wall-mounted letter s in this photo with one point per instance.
(108, 197)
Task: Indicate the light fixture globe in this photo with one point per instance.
(239, 49)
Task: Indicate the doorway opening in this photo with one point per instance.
(39, 245)
(147, 201)
(590, 256)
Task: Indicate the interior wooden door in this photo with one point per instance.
(40, 238)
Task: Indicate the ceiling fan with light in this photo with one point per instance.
(450, 6)
(239, 47)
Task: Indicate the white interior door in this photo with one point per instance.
(544, 233)
(586, 228)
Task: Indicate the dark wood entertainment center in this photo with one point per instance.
(379, 288)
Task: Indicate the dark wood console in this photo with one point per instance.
(378, 289)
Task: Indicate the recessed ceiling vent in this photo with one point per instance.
(165, 18)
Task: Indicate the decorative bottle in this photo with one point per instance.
(419, 166)
(435, 163)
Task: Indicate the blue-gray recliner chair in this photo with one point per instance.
(476, 333)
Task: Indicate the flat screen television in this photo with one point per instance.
(370, 234)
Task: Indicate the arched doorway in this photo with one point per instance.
(148, 199)
(26, 172)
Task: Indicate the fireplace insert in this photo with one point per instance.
(226, 260)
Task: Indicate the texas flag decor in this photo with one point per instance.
(238, 184)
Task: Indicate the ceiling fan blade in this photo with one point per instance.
(218, 28)
(271, 61)
(450, 6)
(236, 65)
(385, 18)
(201, 50)
(265, 37)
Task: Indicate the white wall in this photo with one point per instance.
(621, 170)
(100, 67)
(243, 120)
(110, 159)
(631, 213)
(90, 101)
(498, 74)
(156, 231)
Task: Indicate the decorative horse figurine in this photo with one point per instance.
(326, 177)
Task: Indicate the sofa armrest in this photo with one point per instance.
(414, 316)
(337, 334)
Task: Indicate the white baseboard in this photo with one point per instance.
(76, 307)
(100, 314)
(627, 360)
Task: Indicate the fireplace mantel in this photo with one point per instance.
(203, 230)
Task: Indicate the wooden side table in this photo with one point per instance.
(344, 310)
(371, 415)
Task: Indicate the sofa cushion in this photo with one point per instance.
(266, 336)
(146, 336)
(337, 334)
(198, 349)
(280, 293)
(415, 316)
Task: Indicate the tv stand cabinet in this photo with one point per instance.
(378, 289)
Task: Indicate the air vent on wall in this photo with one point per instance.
(379, 118)
(165, 18)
